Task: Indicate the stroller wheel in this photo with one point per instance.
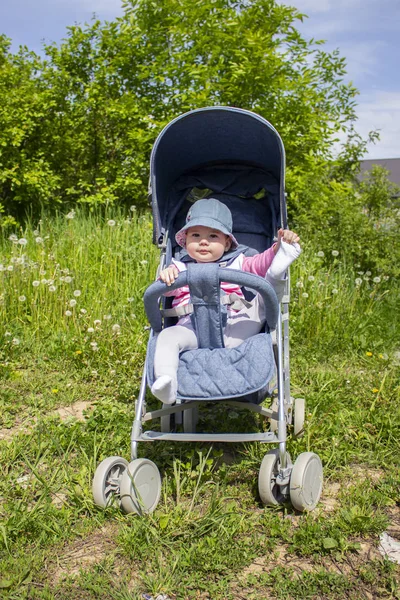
(306, 481)
(299, 415)
(190, 418)
(140, 487)
(270, 492)
(107, 480)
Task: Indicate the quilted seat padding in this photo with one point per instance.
(213, 374)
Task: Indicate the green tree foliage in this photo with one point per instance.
(79, 126)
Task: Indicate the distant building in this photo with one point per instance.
(391, 164)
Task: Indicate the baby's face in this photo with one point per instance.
(204, 244)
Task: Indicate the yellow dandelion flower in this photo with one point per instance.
(54, 391)
(375, 390)
(368, 353)
(78, 351)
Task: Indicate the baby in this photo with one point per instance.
(207, 237)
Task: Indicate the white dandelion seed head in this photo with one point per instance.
(386, 277)
(97, 322)
(39, 240)
(133, 316)
(22, 242)
(68, 279)
(15, 341)
(7, 334)
(68, 313)
(13, 238)
(36, 232)
(131, 299)
(77, 293)
(133, 208)
(111, 223)
(10, 268)
(93, 344)
(36, 283)
(320, 254)
(305, 295)
(376, 279)
(299, 284)
(44, 281)
(358, 281)
(83, 311)
(52, 288)
(368, 273)
(116, 328)
(107, 317)
(22, 298)
(311, 278)
(90, 330)
(144, 262)
(335, 291)
(335, 253)
(70, 215)
(72, 302)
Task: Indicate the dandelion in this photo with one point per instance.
(107, 317)
(68, 313)
(39, 240)
(97, 322)
(368, 353)
(7, 334)
(335, 291)
(131, 299)
(10, 268)
(335, 253)
(360, 272)
(72, 302)
(111, 223)
(133, 316)
(368, 273)
(13, 238)
(311, 278)
(44, 281)
(36, 283)
(54, 391)
(52, 288)
(116, 328)
(133, 208)
(77, 352)
(15, 341)
(22, 242)
(305, 295)
(67, 279)
(83, 311)
(321, 254)
(70, 215)
(375, 390)
(376, 280)
(144, 262)
(299, 284)
(22, 298)
(358, 281)
(90, 330)
(386, 277)
(36, 232)
(77, 293)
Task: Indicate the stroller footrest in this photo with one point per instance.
(151, 436)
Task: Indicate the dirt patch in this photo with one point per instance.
(82, 554)
(74, 411)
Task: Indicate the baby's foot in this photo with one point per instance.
(164, 388)
(286, 254)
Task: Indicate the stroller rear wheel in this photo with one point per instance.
(140, 487)
(107, 480)
(299, 415)
(270, 492)
(306, 481)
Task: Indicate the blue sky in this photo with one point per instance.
(367, 33)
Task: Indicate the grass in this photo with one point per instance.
(210, 537)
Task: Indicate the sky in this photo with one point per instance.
(366, 32)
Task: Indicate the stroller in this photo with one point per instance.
(237, 157)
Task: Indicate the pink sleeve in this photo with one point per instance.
(260, 263)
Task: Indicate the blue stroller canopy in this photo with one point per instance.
(214, 135)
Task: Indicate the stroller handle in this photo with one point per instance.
(255, 283)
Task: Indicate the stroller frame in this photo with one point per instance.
(279, 479)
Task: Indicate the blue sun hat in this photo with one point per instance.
(208, 212)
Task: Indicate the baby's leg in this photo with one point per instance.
(245, 323)
(170, 343)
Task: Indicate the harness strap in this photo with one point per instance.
(235, 301)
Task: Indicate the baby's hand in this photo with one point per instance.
(169, 275)
(288, 236)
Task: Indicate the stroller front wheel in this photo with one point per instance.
(306, 481)
(140, 487)
(268, 488)
(107, 480)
